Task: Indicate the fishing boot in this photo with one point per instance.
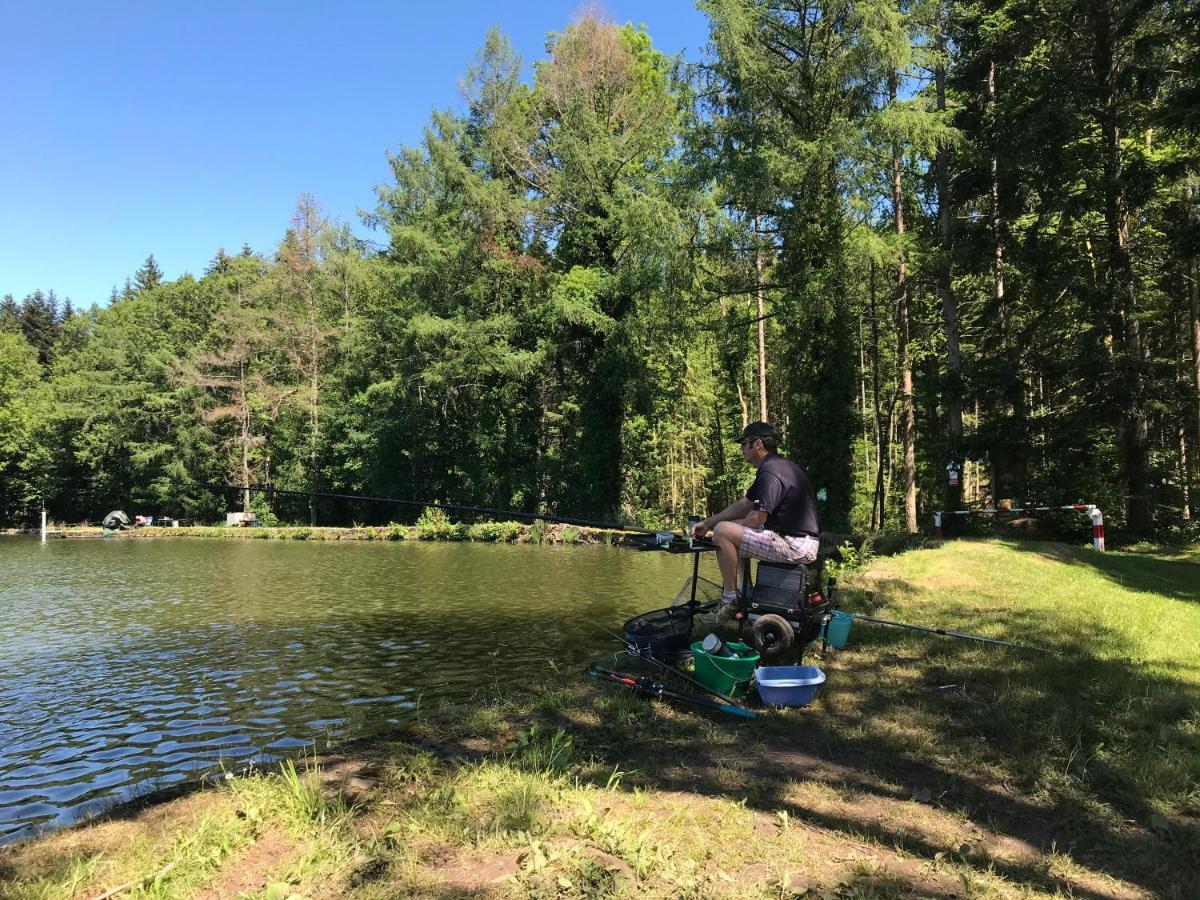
(724, 610)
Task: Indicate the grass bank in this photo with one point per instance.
(927, 768)
(433, 529)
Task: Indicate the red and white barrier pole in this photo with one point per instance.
(1097, 518)
(1097, 529)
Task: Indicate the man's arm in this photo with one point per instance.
(739, 509)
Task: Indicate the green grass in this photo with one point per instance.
(1114, 711)
(927, 767)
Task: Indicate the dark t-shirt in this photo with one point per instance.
(784, 491)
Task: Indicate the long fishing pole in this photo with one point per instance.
(646, 685)
(449, 507)
(953, 634)
(632, 649)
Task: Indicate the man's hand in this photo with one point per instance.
(756, 519)
(700, 529)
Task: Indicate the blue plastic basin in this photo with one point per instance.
(788, 685)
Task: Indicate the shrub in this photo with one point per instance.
(261, 507)
(494, 531)
(395, 532)
(509, 531)
(853, 559)
(435, 525)
(536, 532)
(484, 531)
(300, 534)
(569, 535)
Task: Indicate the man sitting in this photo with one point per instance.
(776, 521)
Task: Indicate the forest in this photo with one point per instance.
(950, 248)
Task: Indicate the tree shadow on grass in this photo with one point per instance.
(1178, 579)
(1056, 754)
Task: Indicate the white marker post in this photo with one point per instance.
(43, 523)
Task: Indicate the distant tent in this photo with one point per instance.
(116, 520)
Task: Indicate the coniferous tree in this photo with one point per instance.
(10, 314)
(40, 322)
(149, 275)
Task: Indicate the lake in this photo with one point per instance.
(131, 664)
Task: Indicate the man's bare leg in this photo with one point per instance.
(728, 538)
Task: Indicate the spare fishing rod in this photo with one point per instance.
(448, 507)
(632, 649)
(646, 686)
(946, 633)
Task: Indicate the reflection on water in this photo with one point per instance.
(128, 665)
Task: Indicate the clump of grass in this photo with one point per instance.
(73, 873)
(303, 794)
(144, 866)
(485, 721)
(543, 751)
(624, 839)
(569, 535)
(519, 806)
(413, 768)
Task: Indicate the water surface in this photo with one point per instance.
(127, 665)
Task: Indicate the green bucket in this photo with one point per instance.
(725, 674)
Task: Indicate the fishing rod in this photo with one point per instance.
(448, 507)
(632, 649)
(953, 634)
(648, 687)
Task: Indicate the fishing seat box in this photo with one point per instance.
(779, 588)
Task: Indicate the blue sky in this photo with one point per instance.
(177, 128)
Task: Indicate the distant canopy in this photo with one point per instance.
(116, 519)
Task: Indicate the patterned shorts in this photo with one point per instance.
(778, 548)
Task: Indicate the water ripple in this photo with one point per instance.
(129, 665)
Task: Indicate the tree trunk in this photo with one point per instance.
(1194, 306)
(878, 503)
(1121, 294)
(862, 382)
(1185, 476)
(314, 404)
(243, 396)
(997, 237)
(908, 432)
(954, 414)
(762, 328)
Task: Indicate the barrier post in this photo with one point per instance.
(43, 524)
(937, 525)
(1097, 528)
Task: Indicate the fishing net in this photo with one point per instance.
(666, 634)
(706, 592)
